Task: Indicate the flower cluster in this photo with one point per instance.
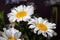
(24, 13)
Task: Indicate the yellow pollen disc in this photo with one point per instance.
(21, 14)
(13, 22)
(12, 38)
(42, 26)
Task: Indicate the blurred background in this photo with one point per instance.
(42, 9)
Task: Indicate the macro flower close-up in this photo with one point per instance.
(29, 20)
(21, 13)
(42, 26)
(10, 34)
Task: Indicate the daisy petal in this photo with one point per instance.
(12, 19)
(4, 35)
(26, 18)
(18, 39)
(35, 30)
(1, 38)
(21, 7)
(18, 20)
(50, 34)
(13, 11)
(31, 26)
(10, 14)
(17, 35)
(39, 32)
(44, 34)
(40, 20)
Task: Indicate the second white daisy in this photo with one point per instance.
(10, 34)
(42, 26)
(21, 13)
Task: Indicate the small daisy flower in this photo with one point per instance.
(21, 13)
(10, 34)
(12, 24)
(42, 26)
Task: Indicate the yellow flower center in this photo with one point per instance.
(41, 26)
(21, 14)
(12, 38)
(13, 22)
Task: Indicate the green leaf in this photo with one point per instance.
(1, 15)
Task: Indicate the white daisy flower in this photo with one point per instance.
(10, 34)
(42, 26)
(21, 13)
(12, 24)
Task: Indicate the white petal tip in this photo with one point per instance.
(55, 34)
